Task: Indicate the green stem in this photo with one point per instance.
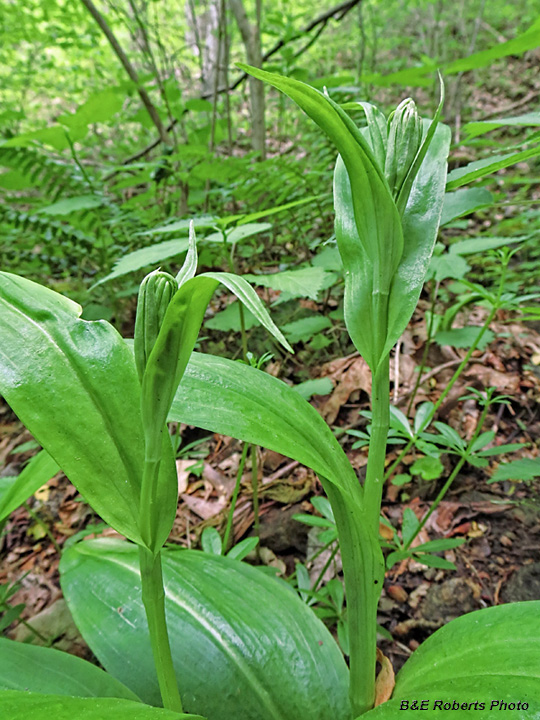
(363, 563)
(377, 445)
(153, 596)
(228, 529)
(363, 570)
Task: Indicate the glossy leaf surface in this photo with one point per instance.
(49, 671)
(370, 239)
(234, 399)
(17, 705)
(73, 384)
(243, 644)
(420, 222)
(39, 470)
(489, 656)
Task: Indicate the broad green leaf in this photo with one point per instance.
(304, 329)
(150, 255)
(524, 470)
(243, 548)
(463, 202)
(39, 470)
(244, 645)
(247, 295)
(239, 233)
(433, 561)
(471, 246)
(211, 541)
(448, 265)
(421, 76)
(420, 225)
(80, 401)
(73, 204)
(410, 525)
(245, 403)
(229, 319)
(474, 129)
(17, 705)
(398, 420)
(205, 221)
(440, 545)
(463, 337)
(306, 282)
(234, 399)
(99, 108)
(176, 340)
(429, 468)
(49, 671)
(484, 659)
(498, 449)
(488, 166)
(423, 413)
(317, 386)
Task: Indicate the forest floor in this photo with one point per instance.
(499, 562)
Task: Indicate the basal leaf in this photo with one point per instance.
(45, 670)
(244, 645)
(17, 705)
(74, 385)
(234, 399)
(472, 667)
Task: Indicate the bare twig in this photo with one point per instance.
(337, 12)
(128, 67)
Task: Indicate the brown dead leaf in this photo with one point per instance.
(386, 680)
(398, 593)
(489, 377)
(205, 509)
(221, 483)
(182, 471)
(356, 376)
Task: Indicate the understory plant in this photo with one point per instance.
(204, 633)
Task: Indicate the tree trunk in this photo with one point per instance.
(251, 37)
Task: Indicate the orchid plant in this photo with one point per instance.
(207, 634)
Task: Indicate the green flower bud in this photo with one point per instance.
(404, 142)
(155, 293)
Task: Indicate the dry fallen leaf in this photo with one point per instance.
(384, 684)
(355, 377)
